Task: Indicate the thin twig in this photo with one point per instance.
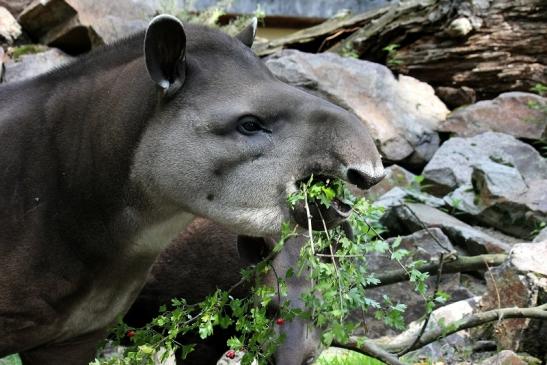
(426, 228)
(308, 214)
(428, 315)
(312, 244)
(333, 263)
(334, 36)
(338, 256)
(495, 288)
(277, 282)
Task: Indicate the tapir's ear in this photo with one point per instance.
(247, 35)
(165, 51)
(252, 250)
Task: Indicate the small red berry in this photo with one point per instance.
(280, 321)
(231, 354)
(130, 333)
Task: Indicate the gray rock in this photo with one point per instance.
(411, 217)
(541, 236)
(498, 235)
(398, 196)
(530, 257)
(509, 204)
(113, 20)
(520, 114)
(76, 26)
(464, 199)
(456, 97)
(32, 65)
(452, 164)
(15, 6)
(504, 357)
(424, 245)
(10, 30)
(396, 176)
(495, 180)
(401, 113)
(520, 282)
(500, 198)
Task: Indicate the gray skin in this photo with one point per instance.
(185, 270)
(105, 160)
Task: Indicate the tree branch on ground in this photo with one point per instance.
(460, 264)
(370, 349)
(432, 335)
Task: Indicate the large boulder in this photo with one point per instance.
(520, 282)
(452, 165)
(33, 64)
(402, 113)
(10, 30)
(499, 197)
(423, 245)
(522, 115)
(75, 26)
(411, 217)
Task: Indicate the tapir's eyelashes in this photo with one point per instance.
(249, 125)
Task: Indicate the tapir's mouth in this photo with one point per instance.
(320, 216)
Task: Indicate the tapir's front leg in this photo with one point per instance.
(76, 351)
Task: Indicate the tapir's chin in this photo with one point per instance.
(256, 222)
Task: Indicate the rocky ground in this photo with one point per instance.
(462, 182)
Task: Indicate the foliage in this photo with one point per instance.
(539, 89)
(10, 360)
(347, 358)
(348, 50)
(336, 267)
(391, 50)
(17, 52)
(211, 15)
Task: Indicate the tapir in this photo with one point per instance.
(103, 161)
(185, 270)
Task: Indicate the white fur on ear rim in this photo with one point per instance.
(247, 35)
(164, 52)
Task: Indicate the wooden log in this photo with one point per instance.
(490, 46)
(497, 47)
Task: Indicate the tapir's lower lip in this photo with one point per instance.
(321, 217)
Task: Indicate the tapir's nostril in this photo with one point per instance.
(364, 180)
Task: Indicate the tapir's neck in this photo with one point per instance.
(151, 237)
(101, 116)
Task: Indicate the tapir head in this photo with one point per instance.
(302, 340)
(229, 141)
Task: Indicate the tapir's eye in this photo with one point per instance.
(250, 125)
